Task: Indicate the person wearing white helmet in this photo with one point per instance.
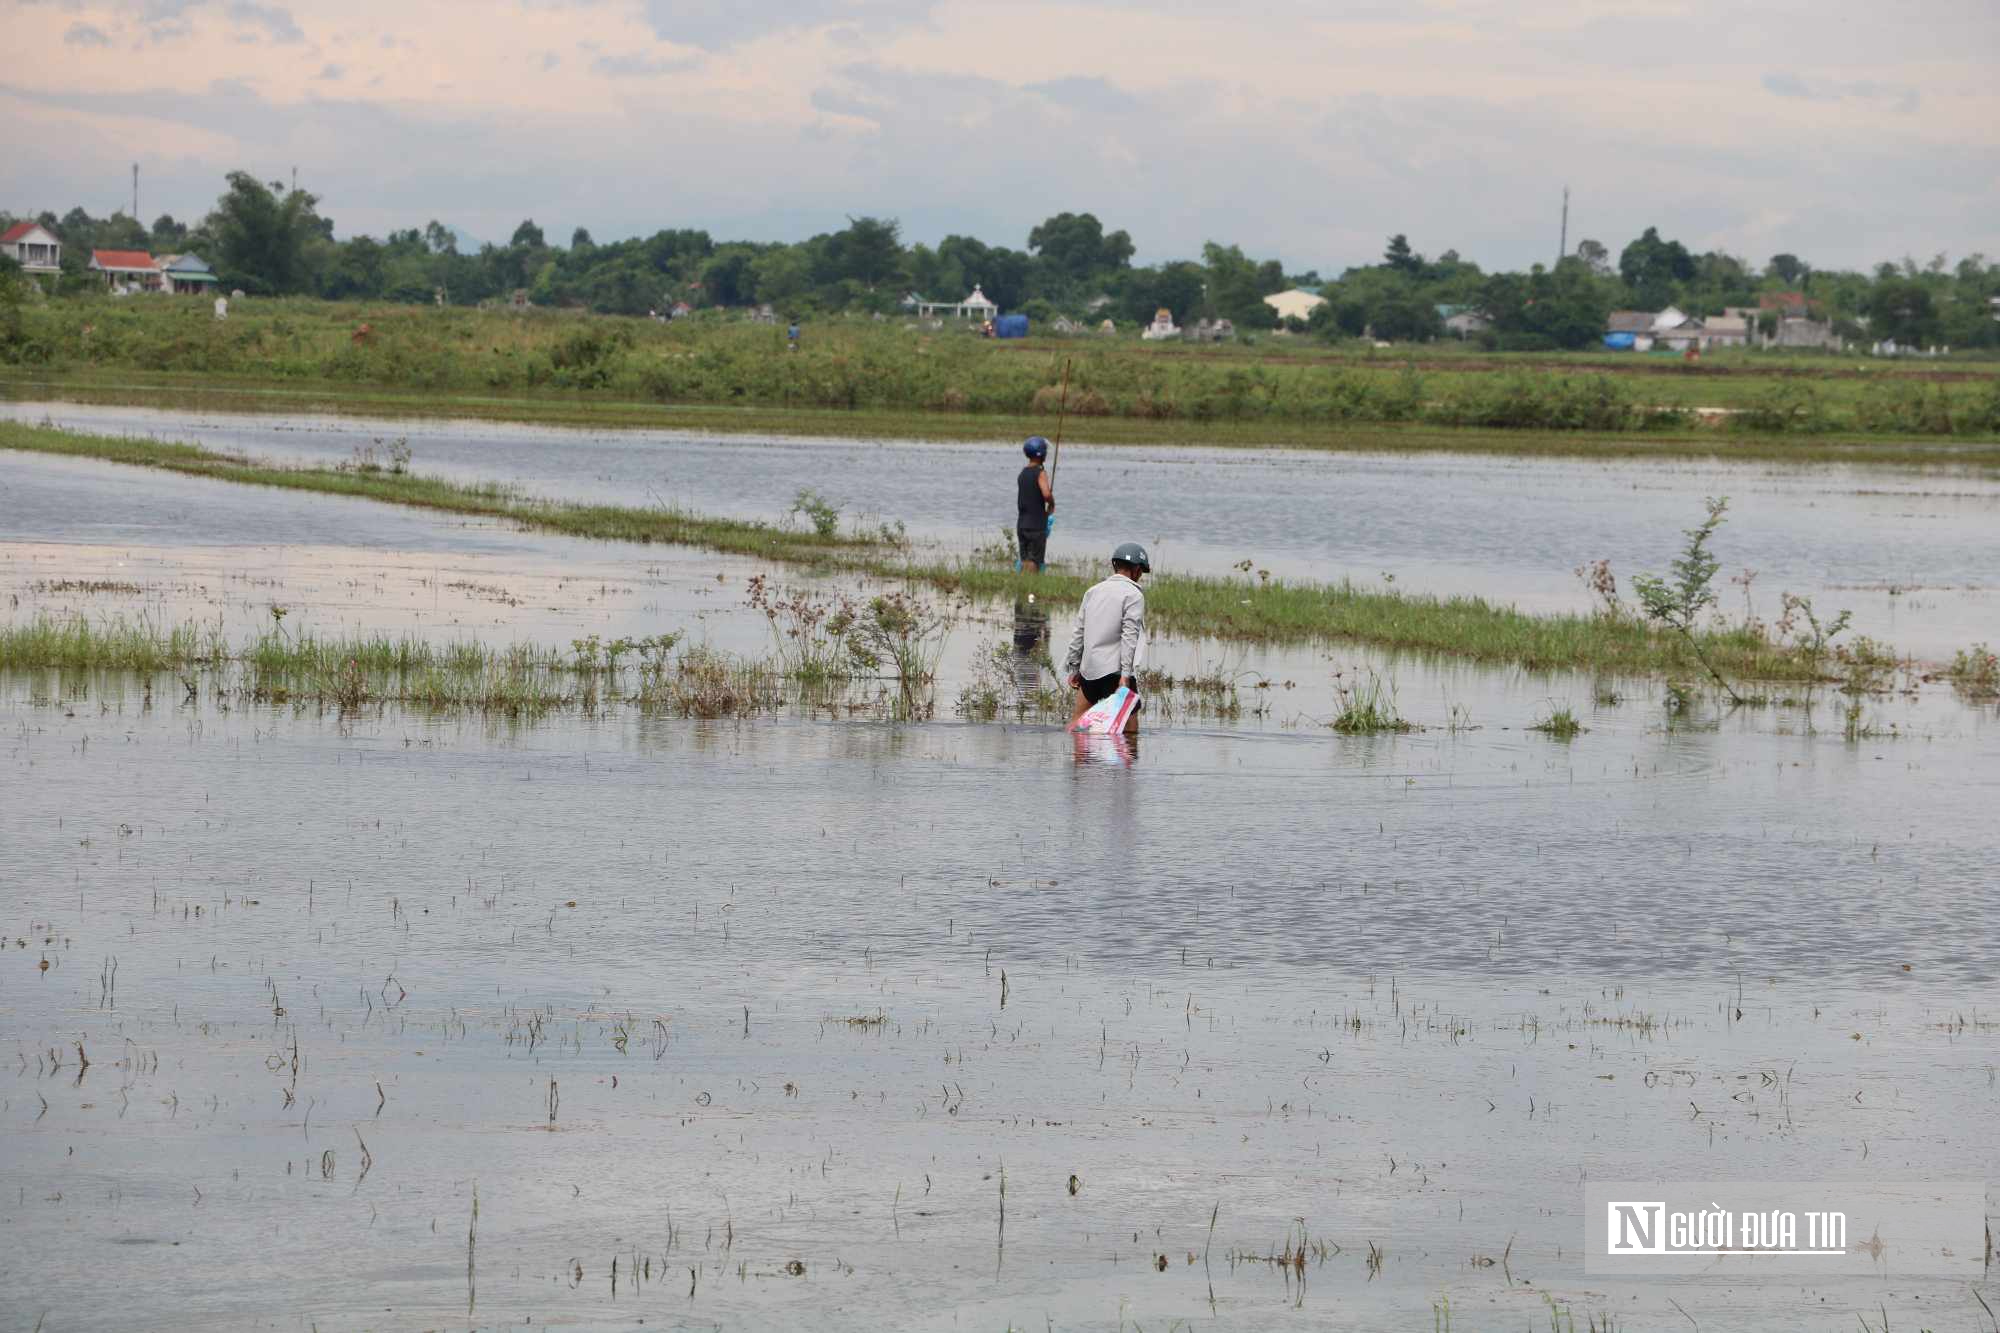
(1104, 648)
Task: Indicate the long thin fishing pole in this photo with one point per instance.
(1062, 413)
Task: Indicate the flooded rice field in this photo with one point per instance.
(1911, 551)
(387, 1018)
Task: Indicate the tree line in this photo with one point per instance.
(268, 239)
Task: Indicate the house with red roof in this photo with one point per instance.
(129, 270)
(34, 247)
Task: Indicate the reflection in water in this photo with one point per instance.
(1031, 634)
(1117, 750)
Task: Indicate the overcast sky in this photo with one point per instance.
(1846, 131)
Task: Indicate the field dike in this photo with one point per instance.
(1248, 609)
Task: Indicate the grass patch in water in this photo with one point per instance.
(1367, 705)
(1560, 723)
(1260, 610)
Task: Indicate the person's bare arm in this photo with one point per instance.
(1048, 491)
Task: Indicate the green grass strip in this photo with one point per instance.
(1237, 609)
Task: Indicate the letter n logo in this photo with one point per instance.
(1635, 1228)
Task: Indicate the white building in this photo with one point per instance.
(128, 270)
(1295, 304)
(975, 306)
(1163, 326)
(34, 247)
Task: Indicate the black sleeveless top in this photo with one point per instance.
(1034, 513)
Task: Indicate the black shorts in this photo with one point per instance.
(1101, 688)
(1034, 545)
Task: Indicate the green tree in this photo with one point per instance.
(1237, 285)
(168, 235)
(1404, 316)
(869, 250)
(360, 269)
(528, 235)
(1400, 257)
(1175, 287)
(1787, 268)
(1902, 309)
(1000, 272)
(782, 275)
(729, 276)
(260, 237)
(1075, 248)
(1651, 267)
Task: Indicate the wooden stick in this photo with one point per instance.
(1062, 412)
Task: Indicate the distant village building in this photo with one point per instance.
(1108, 328)
(1162, 327)
(1063, 324)
(976, 306)
(1213, 331)
(1734, 327)
(1629, 330)
(127, 270)
(1101, 302)
(1297, 303)
(35, 248)
(763, 314)
(187, 275)
(1462, 321)
(1796, 325)
(679, 310)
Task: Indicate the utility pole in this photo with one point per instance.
(295, 180)
(1562, 245)
(135, 191)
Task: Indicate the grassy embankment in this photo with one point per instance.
(1240, 609)
(859, 377)
(355, 670)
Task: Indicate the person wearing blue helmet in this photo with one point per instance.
(1035, 505)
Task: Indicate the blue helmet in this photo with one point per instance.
(1036, 448)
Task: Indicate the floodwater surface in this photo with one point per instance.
(1910, 550)
(745, 1024)
(375, 1018)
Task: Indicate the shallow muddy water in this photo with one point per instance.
(762, 1013)
(747, 1024)
(1911, 551)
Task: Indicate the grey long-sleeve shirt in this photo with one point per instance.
(1108, 628)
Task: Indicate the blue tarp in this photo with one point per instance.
(1618, 342)
(1011, 326)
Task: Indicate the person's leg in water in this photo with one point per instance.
(1034, 550)
(1089, 692)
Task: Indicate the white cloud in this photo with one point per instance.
(1309, 134)
(276, 22)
